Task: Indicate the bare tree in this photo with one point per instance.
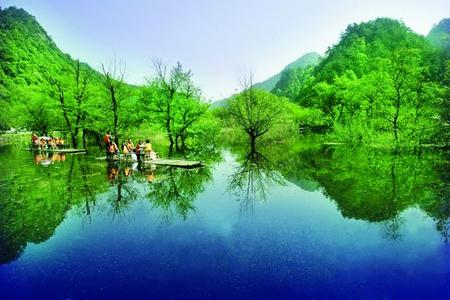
(177, 103)
(72, 96)
(113, 80)
(255, 111)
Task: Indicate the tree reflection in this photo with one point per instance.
(372, 184)
(123, 193)
(176, 190)
(251, 179)
(36, 198)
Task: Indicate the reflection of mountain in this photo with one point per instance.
(366, 183)
(36, 199)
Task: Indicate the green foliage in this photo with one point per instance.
(380, 83)
(175, 104)
(49, 91)
(256, 111)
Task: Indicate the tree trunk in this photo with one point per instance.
(177, 146)
(395, 121)
(170, 144)
(252, 143)
(73, 137)
(84, 138)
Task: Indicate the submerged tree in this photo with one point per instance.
(175, 103)
(255, 111)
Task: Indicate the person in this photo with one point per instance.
(61, 143)
(43, 144)
(138, 150)
(107, 142)
(52, 143)
(148, 150)
(124, 149)
(113, 150)
(130, 145)
(34, 140)
(148, 147)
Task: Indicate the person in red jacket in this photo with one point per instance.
(107, 141)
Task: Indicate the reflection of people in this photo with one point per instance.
(112, 172)
(38, 158)
(58, 157)
(150, 175)
(127, 171)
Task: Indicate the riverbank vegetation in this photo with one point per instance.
(380, 84)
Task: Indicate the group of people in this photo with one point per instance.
(47, 142)
(128, 149)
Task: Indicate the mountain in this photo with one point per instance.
(29, 61)
(309, 59)
(440, 34)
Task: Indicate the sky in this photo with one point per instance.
(220, 41)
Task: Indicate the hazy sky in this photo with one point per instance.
(219, 40)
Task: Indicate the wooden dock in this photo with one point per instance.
(57, 150)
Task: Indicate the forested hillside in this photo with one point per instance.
(381, 82)
(44, 90)
(30, 60)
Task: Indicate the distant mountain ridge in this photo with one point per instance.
(308, 59)
(439, 35)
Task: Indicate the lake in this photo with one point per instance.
(297, 220)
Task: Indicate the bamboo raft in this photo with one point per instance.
(57, 150)
(175, 163)
(180, 163)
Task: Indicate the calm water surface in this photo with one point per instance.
(293, 221)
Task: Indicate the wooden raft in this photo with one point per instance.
(175, 163)
(58, 150)
(160, 161)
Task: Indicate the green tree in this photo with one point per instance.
(72, 96)
(175, 103)
(255, 111)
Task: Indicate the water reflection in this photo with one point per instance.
(36, 199)
(251, 179)
(175, 189)
(46, 159)
(371, 184)
(365, 183)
